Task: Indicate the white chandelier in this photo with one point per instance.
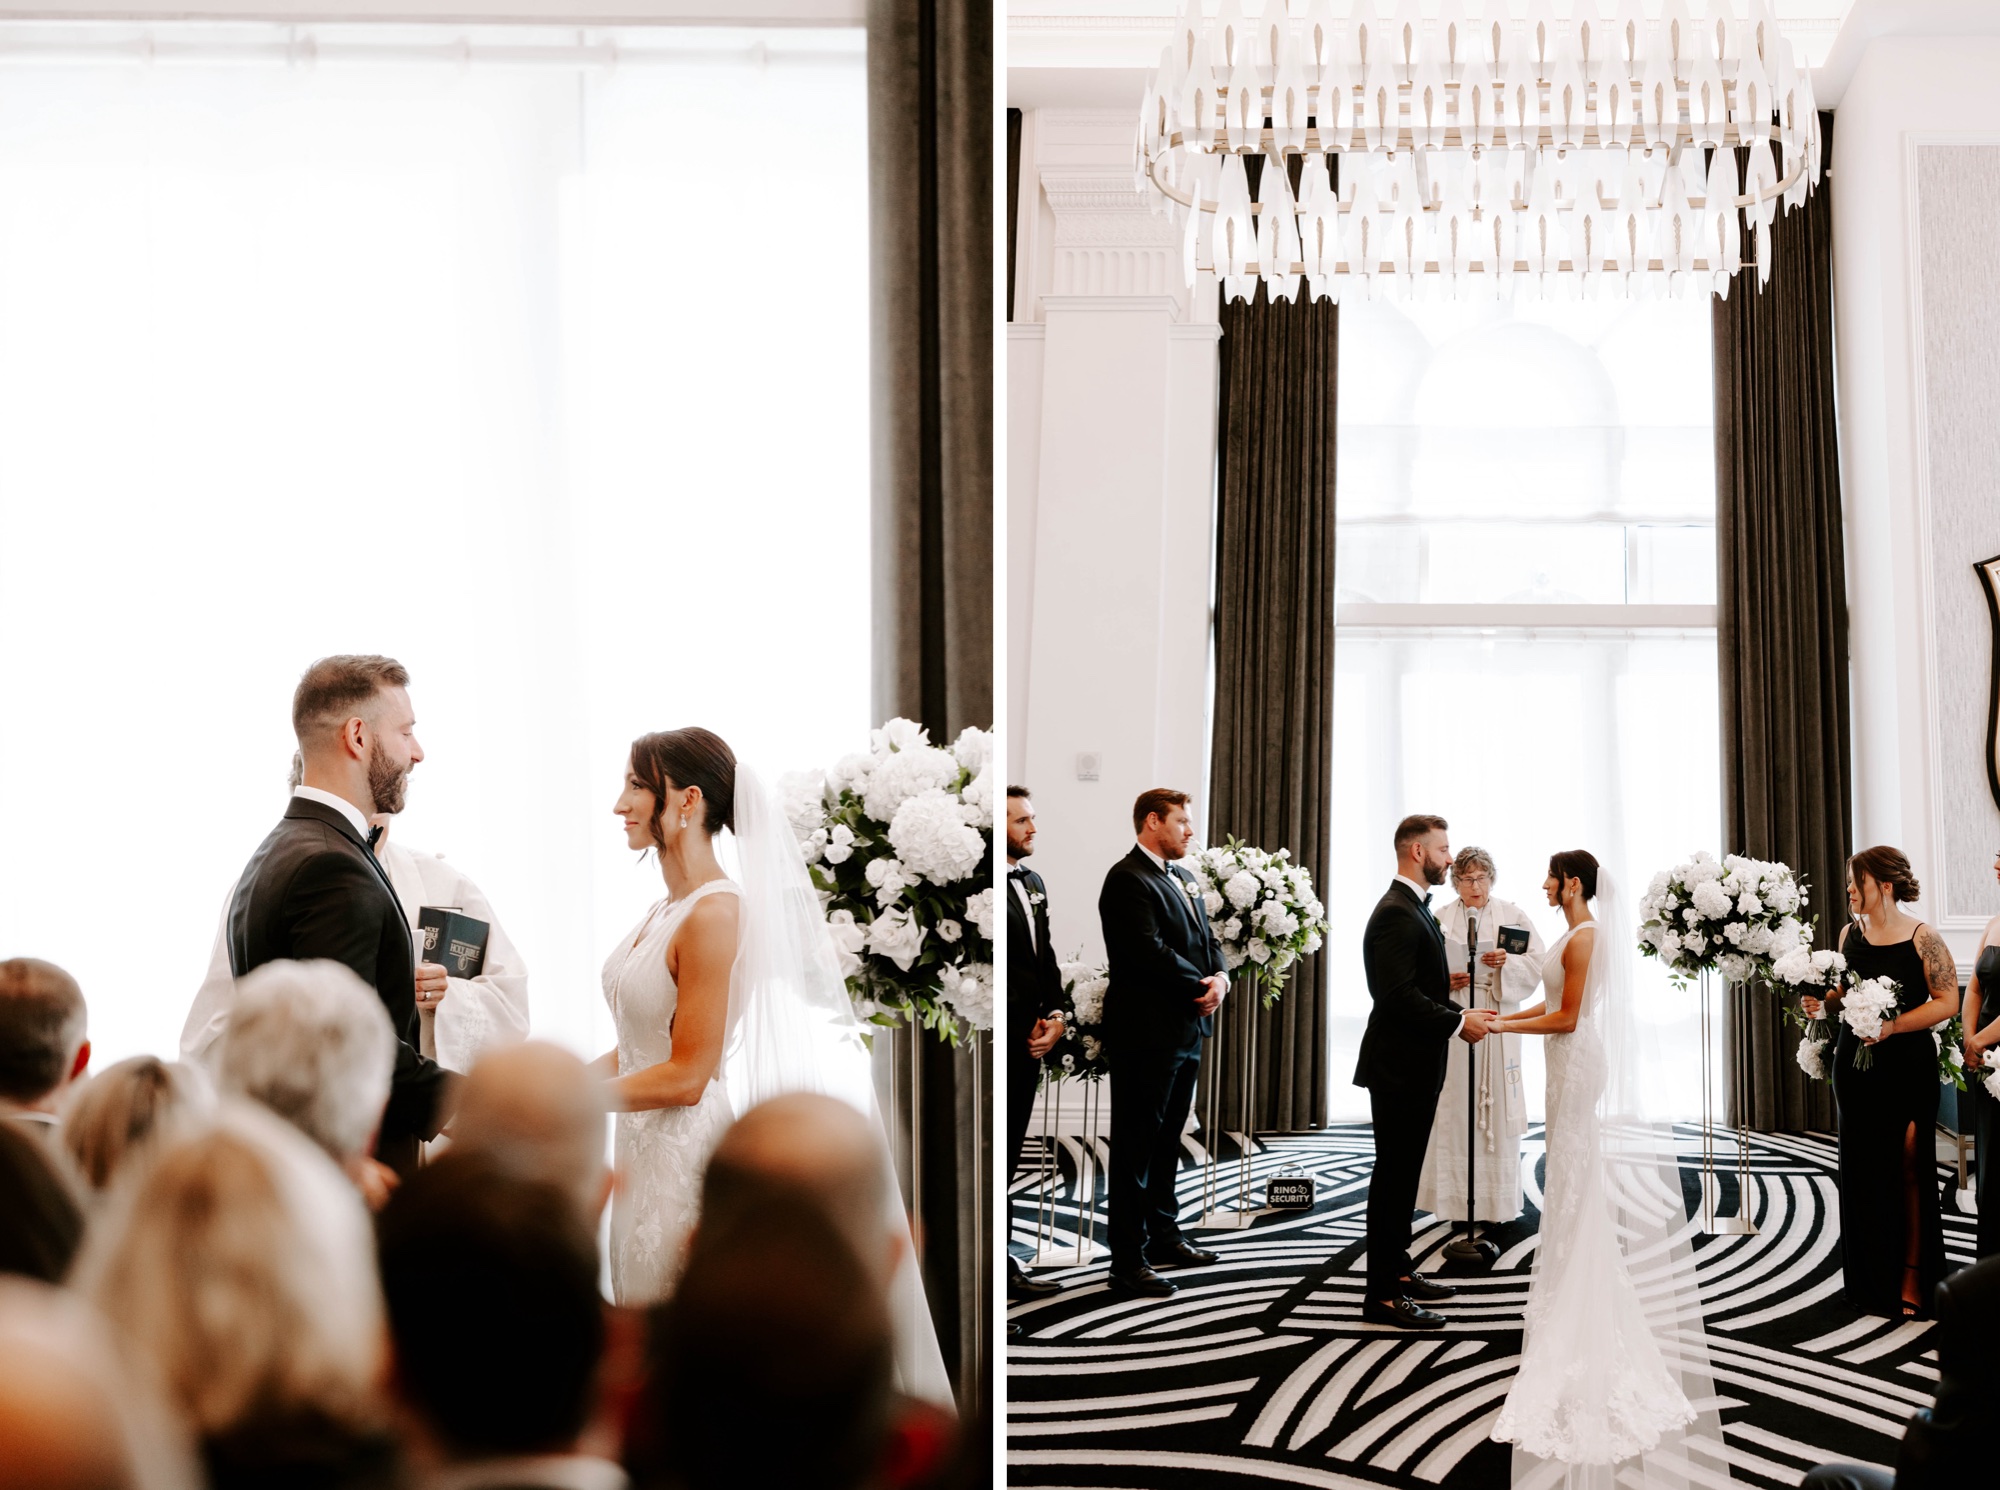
(1480, 157)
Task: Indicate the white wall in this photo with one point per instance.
(1111, 431)
(1919, 400)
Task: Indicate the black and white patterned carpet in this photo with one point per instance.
(1261, 1369)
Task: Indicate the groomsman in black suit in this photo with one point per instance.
(1166, 980)
(1034, 990)
(314, 888)
(1403, 1053)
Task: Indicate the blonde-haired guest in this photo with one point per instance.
(312, 1042)
(127, 1106)
(237, 1270)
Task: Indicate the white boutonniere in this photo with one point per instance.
(1187, 889)
(1036, 897)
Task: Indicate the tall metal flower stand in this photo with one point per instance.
(1740, 1224)
(1222, 1210)
(1052, 1249)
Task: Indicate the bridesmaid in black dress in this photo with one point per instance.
(1891, 1228)
(1982, 1033)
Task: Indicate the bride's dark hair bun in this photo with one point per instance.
(1576, 864)
(1889, 868)
(676, 759)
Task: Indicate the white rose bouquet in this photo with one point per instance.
(1263, 910)
(1865, 1008)
(1809, 974)
(1737, 917)
(899, 840)
(1080, 1052)
(1991, 1080)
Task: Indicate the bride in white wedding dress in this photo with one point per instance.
(1613, 1386)
(727, 993)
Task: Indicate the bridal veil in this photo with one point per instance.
(792, 1028)
(1637, 1179)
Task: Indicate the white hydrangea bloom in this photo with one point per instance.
(968, 992)
(932, 838)
(1242, 889)
(903, 776)
(973, 749)
(898, 734)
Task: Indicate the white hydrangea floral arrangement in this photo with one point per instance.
(1080, 1052)
(1738, 916)
(899, 839)
(1821, 975)
(1263, 910)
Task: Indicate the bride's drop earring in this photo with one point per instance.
(684, 819)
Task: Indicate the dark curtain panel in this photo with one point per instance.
(930, 177)
(930, 181)
(1782, 624)
(1013, 198)
(1271, 770)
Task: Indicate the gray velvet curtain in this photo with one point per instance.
(1782, 624)
(1271, 762)
(930, 175)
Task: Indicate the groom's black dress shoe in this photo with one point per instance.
(1405, 1314)
(1146, 1283)
(1181, 1253)
(1020, 1286)
(1425, 1290)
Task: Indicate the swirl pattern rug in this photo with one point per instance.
(1261, 1369)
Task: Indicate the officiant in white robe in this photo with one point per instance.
(473, 1016)
(1500, 1105)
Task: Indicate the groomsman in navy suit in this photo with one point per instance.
(1166, 980)
(1034, 990)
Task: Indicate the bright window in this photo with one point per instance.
(1526, 628)
(506, 370)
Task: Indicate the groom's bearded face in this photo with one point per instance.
(388, 782)
(1020, 828)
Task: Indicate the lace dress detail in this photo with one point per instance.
(660, 1154)
(1592, 1386)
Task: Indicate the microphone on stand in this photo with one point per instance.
(1471, 1250)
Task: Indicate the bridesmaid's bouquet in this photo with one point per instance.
(899, 840)
(1949, 1038)
(1865, 1008)
(1991, 1080)
(1737, 917)
(1263, 910)
(1080, 1052)
(1809, 974)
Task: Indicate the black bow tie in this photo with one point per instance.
(1016, 872)
(374, 835)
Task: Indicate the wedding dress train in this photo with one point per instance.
(1613, 1385)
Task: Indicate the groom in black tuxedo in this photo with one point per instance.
(1034, 990)
(1403, 1053)
(1166, 980)
(314, 888)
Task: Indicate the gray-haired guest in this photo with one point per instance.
(312, 1042)
(1500, 981)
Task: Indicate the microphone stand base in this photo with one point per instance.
(1471, 1254)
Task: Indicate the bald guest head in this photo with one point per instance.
(817, 1147)
(69, 1417)
(44, 1035)
(537, 1112)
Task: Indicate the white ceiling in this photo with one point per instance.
(1099, 53)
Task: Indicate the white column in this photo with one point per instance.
(1111, 438)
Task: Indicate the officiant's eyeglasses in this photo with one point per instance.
(1473, 879)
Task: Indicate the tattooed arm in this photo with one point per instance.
(1940, 976)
